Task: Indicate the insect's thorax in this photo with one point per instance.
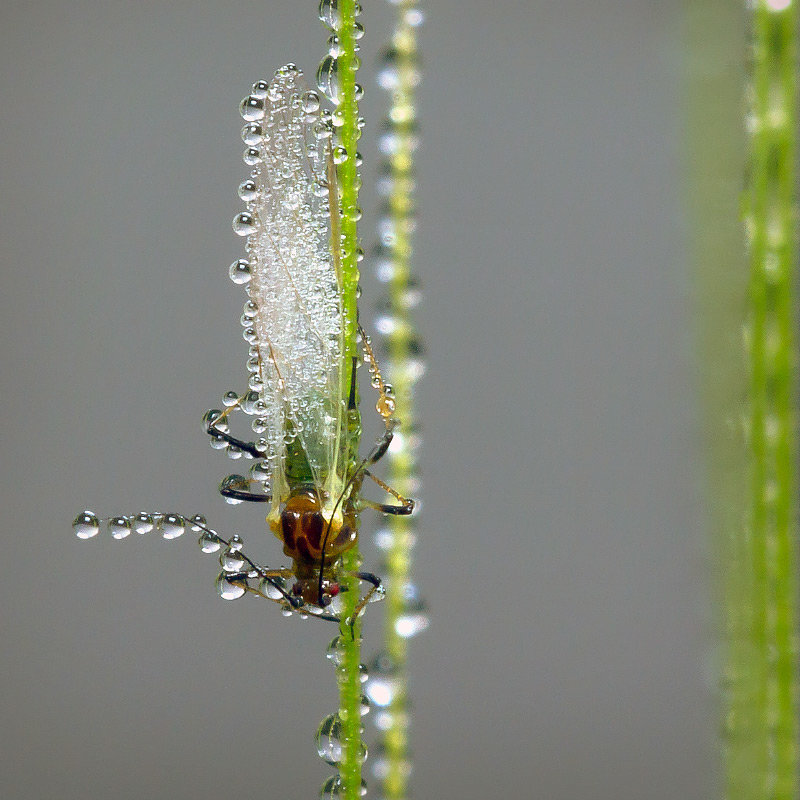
(305, 533)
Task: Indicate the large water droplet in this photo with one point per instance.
(252, 108)
(86, 525)
(271, 587)
(245, 223)
(171, 526)
(334, 651)
(333, 789)
(248, 190)
(143, 522)
(251, 156)
(329, 740)
(197, 521)
(413, 619)
(252, 134)
(231, 560)
(260, 89)
(310, 101)
(328, 79)
(228, 590)
(119, 527)
(208, 542)
(330, 15)
(240, 271)
(385, 680)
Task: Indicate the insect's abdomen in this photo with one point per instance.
(303, 531)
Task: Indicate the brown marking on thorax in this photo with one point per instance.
(302, 529)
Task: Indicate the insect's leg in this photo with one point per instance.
(385, 405)
(275, 578)
(215, 433)
(406, 503)
(237, 487)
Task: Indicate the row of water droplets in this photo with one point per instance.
(239, 573)
(339, 738)
(402, 351)
(382, 683)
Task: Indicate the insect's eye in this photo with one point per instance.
(333, 589)
(297, 589)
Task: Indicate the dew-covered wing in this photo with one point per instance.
(294, 283)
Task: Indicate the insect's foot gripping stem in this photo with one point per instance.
(406, 504)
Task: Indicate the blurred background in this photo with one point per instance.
(562, 547)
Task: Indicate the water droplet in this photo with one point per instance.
(358, 90)
(310, 101)
(260, 425)
(334, 46)
(86, 525)
(339, 154)
(334, 651)
(210, 416)
(245, 223)
(252, 108)
(414, 17)
(208, 542)
(260, 88)
(237, 483)
(329, 740)
(240, 271)
(231, 560)
(270, 588)
(171, 526)
(119, 527)
(260, 471)
(218, 443)
(251, 156)
(248, 190)
(358, 31)
(143, 522)
(333, 789)
(249, 402)
(328, 79)
(329, 14)
(249, 335)
(413, 619)
(230, 398)
(252, 134)
(196, 522)
(228, 590)
(354, 213)
(385, 680)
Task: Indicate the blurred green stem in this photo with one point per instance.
(769, 545)
(401, 63)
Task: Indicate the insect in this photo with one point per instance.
(302, 391)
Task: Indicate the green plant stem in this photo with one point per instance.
(769, 220)
(349, 675)
(402, 464)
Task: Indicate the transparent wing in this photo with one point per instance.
(296, 290)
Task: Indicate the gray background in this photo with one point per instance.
(561, 544)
